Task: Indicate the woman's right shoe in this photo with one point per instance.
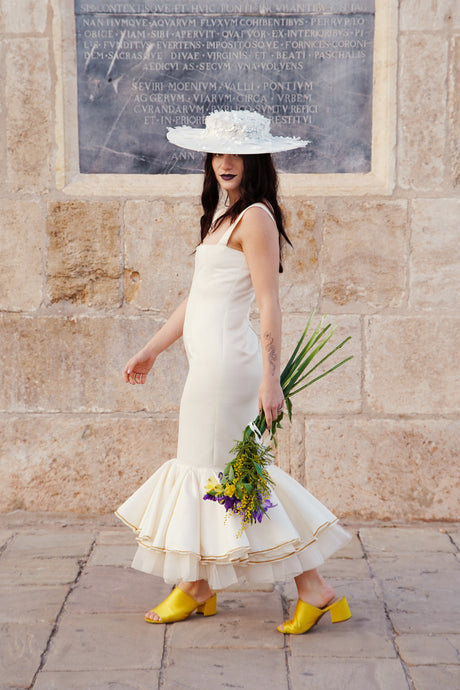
(306, 616)
(179, 605)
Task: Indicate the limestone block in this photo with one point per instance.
(25, 16)
(97, 680)
(21, 244)
(428, 15)
(22, 647)
(441, 676)
(113, 589)
(83, 261)
(117, 555)
(339, 391)
(39, 571)
(435, 256)
(51, 544)
(75, 364)
(384, 469)
(422, 116)
(80, 464)
(405, 540)
(454, 109)
(429, 649)
(299, 282)
(160, 238)
(411, 364)
(245, 614)
(364, 255)
(220, 669)
(340, 674)
(31, 604)
(290, 453)
(28, 94)
(102, 641)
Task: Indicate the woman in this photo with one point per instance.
(231, 377)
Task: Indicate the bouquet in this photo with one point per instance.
(243, 488)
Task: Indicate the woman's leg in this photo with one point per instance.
(313, 589)
(198, 590)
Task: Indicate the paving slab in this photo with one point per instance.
(345, 569)
(244, 620)
(347, 675)
(97, 680)
(23, 570)
(429, 649)
(432, 677)
(105, 642)
(405, 540)
(52, 543)
(31, 604)
(21, 649)
(195, 669)
(116, 536)
(107, 589)
(353, 549)
(4, 536)
(454, 534)
(113, 554)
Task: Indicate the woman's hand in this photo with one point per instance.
(271, 400)
(138, 367)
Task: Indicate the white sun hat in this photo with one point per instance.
(233, 131)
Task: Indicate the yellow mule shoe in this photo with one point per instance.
(306, 616)
(179, 605)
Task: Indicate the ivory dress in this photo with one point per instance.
(181, 536)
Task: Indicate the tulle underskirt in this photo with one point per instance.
(181, 537)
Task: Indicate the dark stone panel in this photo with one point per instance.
(143, 67)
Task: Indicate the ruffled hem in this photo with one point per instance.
(182, 537)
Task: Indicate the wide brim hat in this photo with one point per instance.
(233, 131)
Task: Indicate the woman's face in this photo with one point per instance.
(228, 169)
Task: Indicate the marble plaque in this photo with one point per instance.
(146, 66)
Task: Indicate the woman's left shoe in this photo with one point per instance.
(179, 605)
(306, 616)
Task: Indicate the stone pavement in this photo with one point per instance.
(72, 616)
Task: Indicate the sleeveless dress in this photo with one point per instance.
(180, 536)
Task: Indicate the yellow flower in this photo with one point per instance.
(229, 490)
(212, 486)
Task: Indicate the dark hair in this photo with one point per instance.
(259, 184)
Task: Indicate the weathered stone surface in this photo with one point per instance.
(97, 680)
(340, 391)
(238, 625)
(428, 15)
(364, 255)
(435, 256)
(22, 646)
(117, 555)
(79, 464)
(29, 604)
(105, 589)
(411, 364)
(63, 544)
(4, 536)
(75, 364)
(454, 110)
(25, 16)
(299, 282)
(429, 677)
(109, 537)
(405, 540)
(342, 674)
(422, 92)
(83, 260)
(352, 463)
(344, 569)
(246, 668)
(28, 94)
(21, 245)
(429, 649)
(160, 237)
(24, 570)
(99, 642)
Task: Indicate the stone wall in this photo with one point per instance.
(86, 280)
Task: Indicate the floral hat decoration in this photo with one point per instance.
(233, 131)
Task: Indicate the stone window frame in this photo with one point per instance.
(380, 180)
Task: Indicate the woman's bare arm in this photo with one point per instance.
(139, 366)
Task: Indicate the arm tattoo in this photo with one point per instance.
(270, 349)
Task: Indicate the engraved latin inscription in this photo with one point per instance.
(144, 67)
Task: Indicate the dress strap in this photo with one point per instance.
(226, 236)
